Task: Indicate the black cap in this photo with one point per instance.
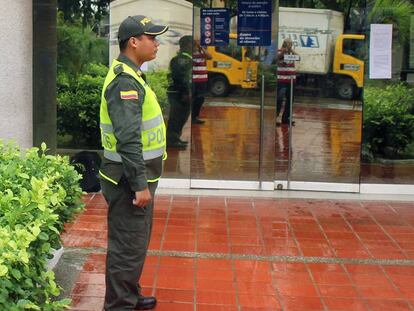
(137, 25)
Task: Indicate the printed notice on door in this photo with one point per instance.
(380, 51)
(254, 23)
(215, 26)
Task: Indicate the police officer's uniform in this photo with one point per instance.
(179, 95)
(133, 137)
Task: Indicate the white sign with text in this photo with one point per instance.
(380, 51)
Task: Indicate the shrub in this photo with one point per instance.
(388, 125)
(158, 81)
(78, 102)
(39, 193)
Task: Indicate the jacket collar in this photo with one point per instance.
(124, 59)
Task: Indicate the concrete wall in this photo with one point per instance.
(16, 72)
(176, 13)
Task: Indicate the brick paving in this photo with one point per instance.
(226, 253)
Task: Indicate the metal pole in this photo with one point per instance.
(290, 133)
(261, 149)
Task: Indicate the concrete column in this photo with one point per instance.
(44, 73)
(16, 41)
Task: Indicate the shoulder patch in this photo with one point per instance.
(129, 95)
(118, 69)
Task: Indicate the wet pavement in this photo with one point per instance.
(326, 142)
(249, 253)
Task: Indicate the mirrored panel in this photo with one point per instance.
(388, 127)
(226, 131)
(320, 81)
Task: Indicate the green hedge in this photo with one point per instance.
(39, 193)
(388, 125)
(158, 81)
(78, 101)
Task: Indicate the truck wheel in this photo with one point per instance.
(219, 86)
(345, 89)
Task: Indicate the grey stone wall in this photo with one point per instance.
(16, 49)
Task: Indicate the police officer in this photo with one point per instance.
(179, 92)
(133, 138)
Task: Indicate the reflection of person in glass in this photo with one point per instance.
(179, 92)
(200, 80)
(286, 73)
(133, 139)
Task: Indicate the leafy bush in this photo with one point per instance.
(78, 102)
(388, 126)
(158, 82)
(38, 194)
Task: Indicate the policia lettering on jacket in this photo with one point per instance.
(133, 138)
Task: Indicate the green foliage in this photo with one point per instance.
(79, 46)
(388, 125)
(270, 77)
(158, 82)
(396, 12)
(39, 193)
(78, 102)
(89, 11)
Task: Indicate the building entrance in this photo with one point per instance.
(282, 116)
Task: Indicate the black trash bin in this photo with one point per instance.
(87, 164)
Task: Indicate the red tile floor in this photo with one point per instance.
(226, 253)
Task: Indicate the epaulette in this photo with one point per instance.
(118, 69)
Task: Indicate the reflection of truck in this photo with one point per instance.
(327, 56)
(230, 66)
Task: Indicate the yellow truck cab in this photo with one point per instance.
(231, 65)
(347, 67)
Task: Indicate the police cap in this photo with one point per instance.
(137, 25)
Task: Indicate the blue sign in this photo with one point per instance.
(214, 26)
(254, 23)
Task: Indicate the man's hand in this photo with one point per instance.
(142, 198)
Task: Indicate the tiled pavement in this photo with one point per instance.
(225, 253)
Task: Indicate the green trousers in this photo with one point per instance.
(178, 116)
(129, 231)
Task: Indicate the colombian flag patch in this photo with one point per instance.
(129, 95)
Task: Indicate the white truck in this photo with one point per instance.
(327, 56)
(328, 59)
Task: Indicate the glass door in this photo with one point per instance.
(232, 135)
(318, 136)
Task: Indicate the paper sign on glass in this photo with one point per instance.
(380, 51)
